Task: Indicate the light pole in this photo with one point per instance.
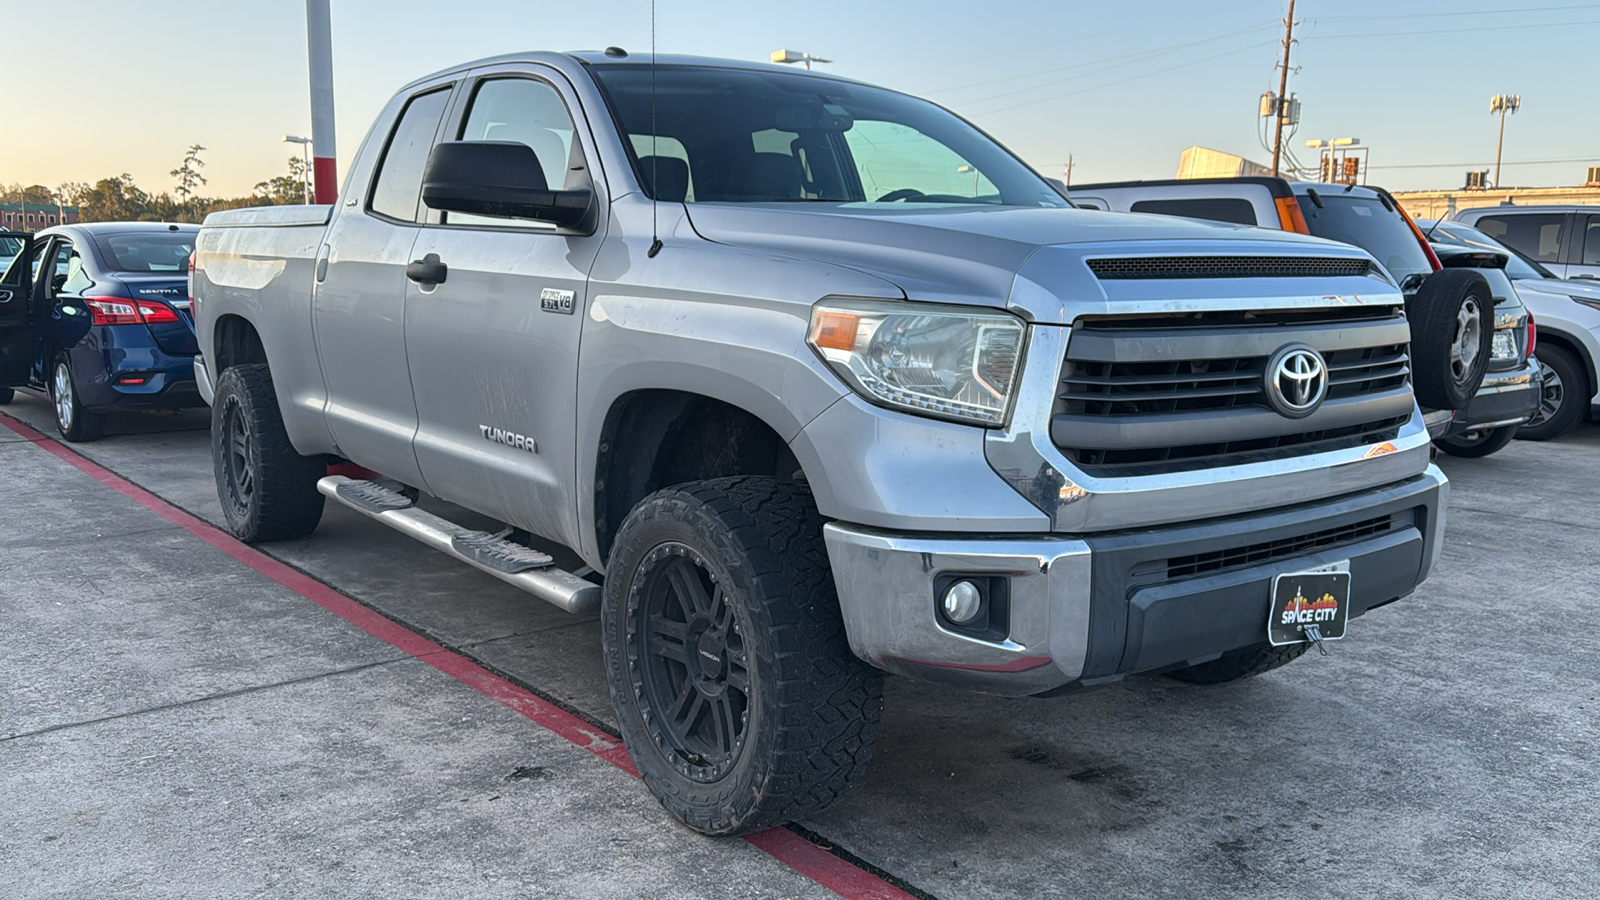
(1328, 160)
(305, 156)
(974, 170)
(795, 56)
(1502, 104)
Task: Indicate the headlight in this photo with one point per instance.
(946, 362)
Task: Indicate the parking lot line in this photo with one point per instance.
(816, 863)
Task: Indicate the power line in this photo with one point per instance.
(1376, 34)
(1473, 165)
(1456, 13)
(1056, 42)
(1096, 87)
(1107, 63)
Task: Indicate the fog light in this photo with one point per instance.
(962, 602)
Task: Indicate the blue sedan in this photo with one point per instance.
(102, 313)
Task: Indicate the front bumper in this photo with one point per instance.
(1504, 399)
(1091, 609)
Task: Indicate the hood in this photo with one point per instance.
(962, 254)
(1587, 288)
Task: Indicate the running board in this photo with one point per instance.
(515, 564)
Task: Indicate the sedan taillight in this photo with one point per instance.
(126, 311)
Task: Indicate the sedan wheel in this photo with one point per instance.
(75, 423)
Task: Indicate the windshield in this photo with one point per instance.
(153, 251)
(1375, 228)
(743, 136)
(1518, 266)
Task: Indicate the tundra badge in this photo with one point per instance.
(556, 301)
(509, 438)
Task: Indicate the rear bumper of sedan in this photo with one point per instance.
(1505, 399)
(122, 367)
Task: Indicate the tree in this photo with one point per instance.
(285, 189)
(33, 195)
(188, 174)
(116, 199)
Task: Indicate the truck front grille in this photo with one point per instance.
(1255, 554)
(1136, 399)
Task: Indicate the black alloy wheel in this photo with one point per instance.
(238, 480)
(693, 665)
(1563, 394)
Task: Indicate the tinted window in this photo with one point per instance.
(1368, 224)
(526, 112)
(759, 136)
(399, 183)
(157, 252)
(1536, 234)
(1216, 209)
(1591, 242)
(1518, 266)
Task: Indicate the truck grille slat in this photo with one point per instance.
(1136, 415)
(1256, 554)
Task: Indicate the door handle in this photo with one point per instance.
(427, 271)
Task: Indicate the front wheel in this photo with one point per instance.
(75, 423)
(268, 491)
(1478, 443)
(726, 656)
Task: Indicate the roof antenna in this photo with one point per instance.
(655, 236)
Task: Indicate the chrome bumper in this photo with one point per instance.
(202, 379)
(1087, 610)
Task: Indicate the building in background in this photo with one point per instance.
(1203, 162)
(34, 216)
(1444, 204)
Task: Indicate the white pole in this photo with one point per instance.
(319, 37)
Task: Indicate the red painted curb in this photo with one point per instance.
(781, 844)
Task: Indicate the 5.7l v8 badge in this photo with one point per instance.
(556, 300)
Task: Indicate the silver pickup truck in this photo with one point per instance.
(797, 380)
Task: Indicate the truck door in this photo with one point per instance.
(493, 347)
(16, 318)
(360, 295)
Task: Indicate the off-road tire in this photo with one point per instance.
(1436, 312)
(75, 424)
(7, 395)
(811, 709)
(275, 498)
(1561, 402)
(1238, 664)
(1479, 444)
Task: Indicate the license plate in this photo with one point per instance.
(1319, 597)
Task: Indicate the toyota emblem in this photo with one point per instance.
(1296, 380)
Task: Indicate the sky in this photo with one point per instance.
(127, 85)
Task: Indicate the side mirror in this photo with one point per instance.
(499, 178)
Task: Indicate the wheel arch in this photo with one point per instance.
(653, 438)
(1572, 345)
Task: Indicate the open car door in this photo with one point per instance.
(16, 319)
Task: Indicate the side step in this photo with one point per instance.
(516, 565)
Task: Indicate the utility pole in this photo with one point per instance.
(1502, 104)
(1283, 90)
(1069, 171)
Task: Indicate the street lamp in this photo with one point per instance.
(974, 170)
(795, 56)
(305, 155)
(1328, 159)
(1502, 104)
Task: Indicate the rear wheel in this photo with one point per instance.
(1452, 330)
(75, 423)
(268, 491)
(1477, 443)
(1238, 664)
(732, 679)
(1564, 393)
(7, 395)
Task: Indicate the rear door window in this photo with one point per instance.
(1591, 242)
(1367, 223)
(1215, 209)
(1536, 234)
(399, 183)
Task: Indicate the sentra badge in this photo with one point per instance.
(556, 300)
(509, 438)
